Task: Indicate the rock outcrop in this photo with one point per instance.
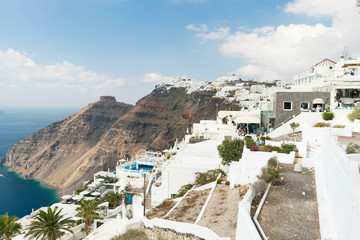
(68, 152)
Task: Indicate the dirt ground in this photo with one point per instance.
(189, 208)
(346, 140)
(161, 210)
(290, 210)
(221, 212)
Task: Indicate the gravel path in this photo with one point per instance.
(221, 212)
(290, 211)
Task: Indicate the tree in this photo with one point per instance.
(294, 126)
(8, 227)
(231, 150)
(49, 224)
(113, 198)
(88, 210)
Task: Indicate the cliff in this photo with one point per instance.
(66, 153)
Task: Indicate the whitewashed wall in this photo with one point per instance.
(250, 164)
(245, 226)
(341, 189)
(180, 227)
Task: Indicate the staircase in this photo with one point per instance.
(148, 201)
(312, 153)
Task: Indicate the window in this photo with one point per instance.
(288, 106)
(304, 105)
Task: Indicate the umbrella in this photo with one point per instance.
(86, 192)
(95, 194)
(89, 198)
(78, 197)
(66, 197)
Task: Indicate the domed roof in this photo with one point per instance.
(325, 63)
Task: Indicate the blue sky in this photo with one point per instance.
(68, 53)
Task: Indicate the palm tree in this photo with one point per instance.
(49, 224)
(88, 210)
(113, 198)
(8, 227)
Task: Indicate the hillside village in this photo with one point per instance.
(297, 177)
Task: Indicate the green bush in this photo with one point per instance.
(269, 174)
(202, 178)
(249, 142)
(321, 124)
(184, 189)
(276, 149)
(219, 181)
(266, 148)
(287, 148)
(338, 126)
(328, 116)
(272, 162)
(352, 148)
(230, 150)
(354, 115)
(273, 175)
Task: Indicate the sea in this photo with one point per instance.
(18, 196)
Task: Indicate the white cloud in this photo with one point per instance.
(16, 69)
(203, 33)
(201, 28)
(318, 8)
(285, 50)
(255, 72)
(156, 77)
(219, 33)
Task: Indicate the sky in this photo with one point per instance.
(66, 53)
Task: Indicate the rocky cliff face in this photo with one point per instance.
(66, 153)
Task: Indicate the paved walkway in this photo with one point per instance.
(290, 211)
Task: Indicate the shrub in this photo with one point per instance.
(230, 150)
(259, 186)
(184, 189)
(338, 126)
(354, 115)
(287, 148)
(133, 234)
(219, 181)
(276, 149)
(272, 162)
(254, 148)
(352, 148)
(328, 116)
(267, 148)
(207, 177)
(273, 175)
(321, 124)
(249, 142)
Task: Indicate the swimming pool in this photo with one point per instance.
(145, 168)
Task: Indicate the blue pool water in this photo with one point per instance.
(18, 195)
(145, 168)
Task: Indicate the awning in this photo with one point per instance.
(318, 101)
(247, 119)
